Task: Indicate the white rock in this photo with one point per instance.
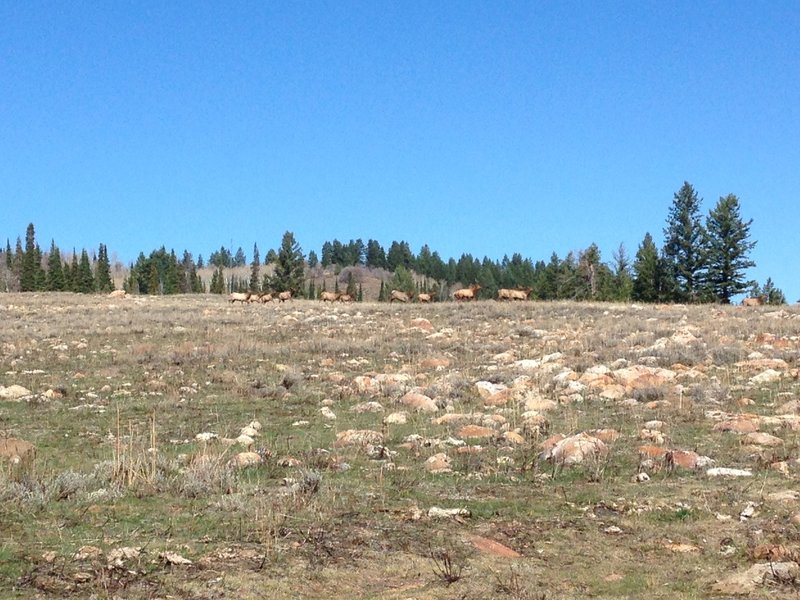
(327, 413)
(727, 472)
(434, 512)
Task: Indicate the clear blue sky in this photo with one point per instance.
(480, 127)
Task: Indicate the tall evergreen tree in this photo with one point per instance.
(27, 278)
(9, 255)
(255, 267)
(729, 248)
(647, 278)
(289, 267)
(685, 243)
(103, 271)
(55, 272)
(85, 279)
(313, 259)
(239, 260)
(623, 282)
(40, 275)
(217, 281)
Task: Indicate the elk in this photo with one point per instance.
(284, 296)
(345, 298)
(329, 296)
(265, 297)
(754, 301)
(239, 297)
(425, 297)
(470, 293)
(399, 296)
(517, 294)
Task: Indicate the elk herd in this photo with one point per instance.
(460, 295)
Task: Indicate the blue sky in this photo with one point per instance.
(480, 127)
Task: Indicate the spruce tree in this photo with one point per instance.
(9, 255)
(55, 271)
(217, 281)
(74, 282)
(27, 276)
(351, 285)
(40, 275)
(103, 271)
(289, 267)
(85, 279)
(382, 292)
(360, 297)
(255, 267)
(685, 243)
(153, 279)
(728, 249)
(647, 272)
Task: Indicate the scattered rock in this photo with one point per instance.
(245, 459)
(759, 575)
(576, 449)
(367, 407)
(475, 431)
(358, 437)
(439, 463)
(419, 402)
(763, 439)
(396, 418)
(14, 392)
(727, 472)
(434, 512)
(488, 546)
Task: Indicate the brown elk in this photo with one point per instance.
(239, 297)
(265, 297)
(398, 296)
(345, 298)
(284, 296)
(470, 293)
(754, 301)
(517, 294)
(421, 297)
(329, 296)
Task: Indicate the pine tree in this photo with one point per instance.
(350, 290)
(153, 279)
(171, 274)
(40, 275)
(255, 267)
(217, 281)
(402, 281)
(55, 271)
(647, 272)
(685, 245)
(85, 279)
(312, 290)
(289, 267)
(382, 292)
(623, 282)
(728, 249)
(103, 271)
(27, 278)
(360, 297)
(239, 260)
(9, 255)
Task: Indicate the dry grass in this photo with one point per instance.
(120, 388)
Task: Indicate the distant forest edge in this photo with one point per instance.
(700, 261)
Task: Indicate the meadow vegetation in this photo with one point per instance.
(187, 447)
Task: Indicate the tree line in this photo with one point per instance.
(701, 260)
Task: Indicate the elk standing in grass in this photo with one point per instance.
(754, 301)
(398, 296)
(470, 293)
(239, 297)
(284, 296)
(328, 296)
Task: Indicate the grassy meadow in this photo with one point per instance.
(353, 482)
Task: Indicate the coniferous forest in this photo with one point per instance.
(703, 259)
